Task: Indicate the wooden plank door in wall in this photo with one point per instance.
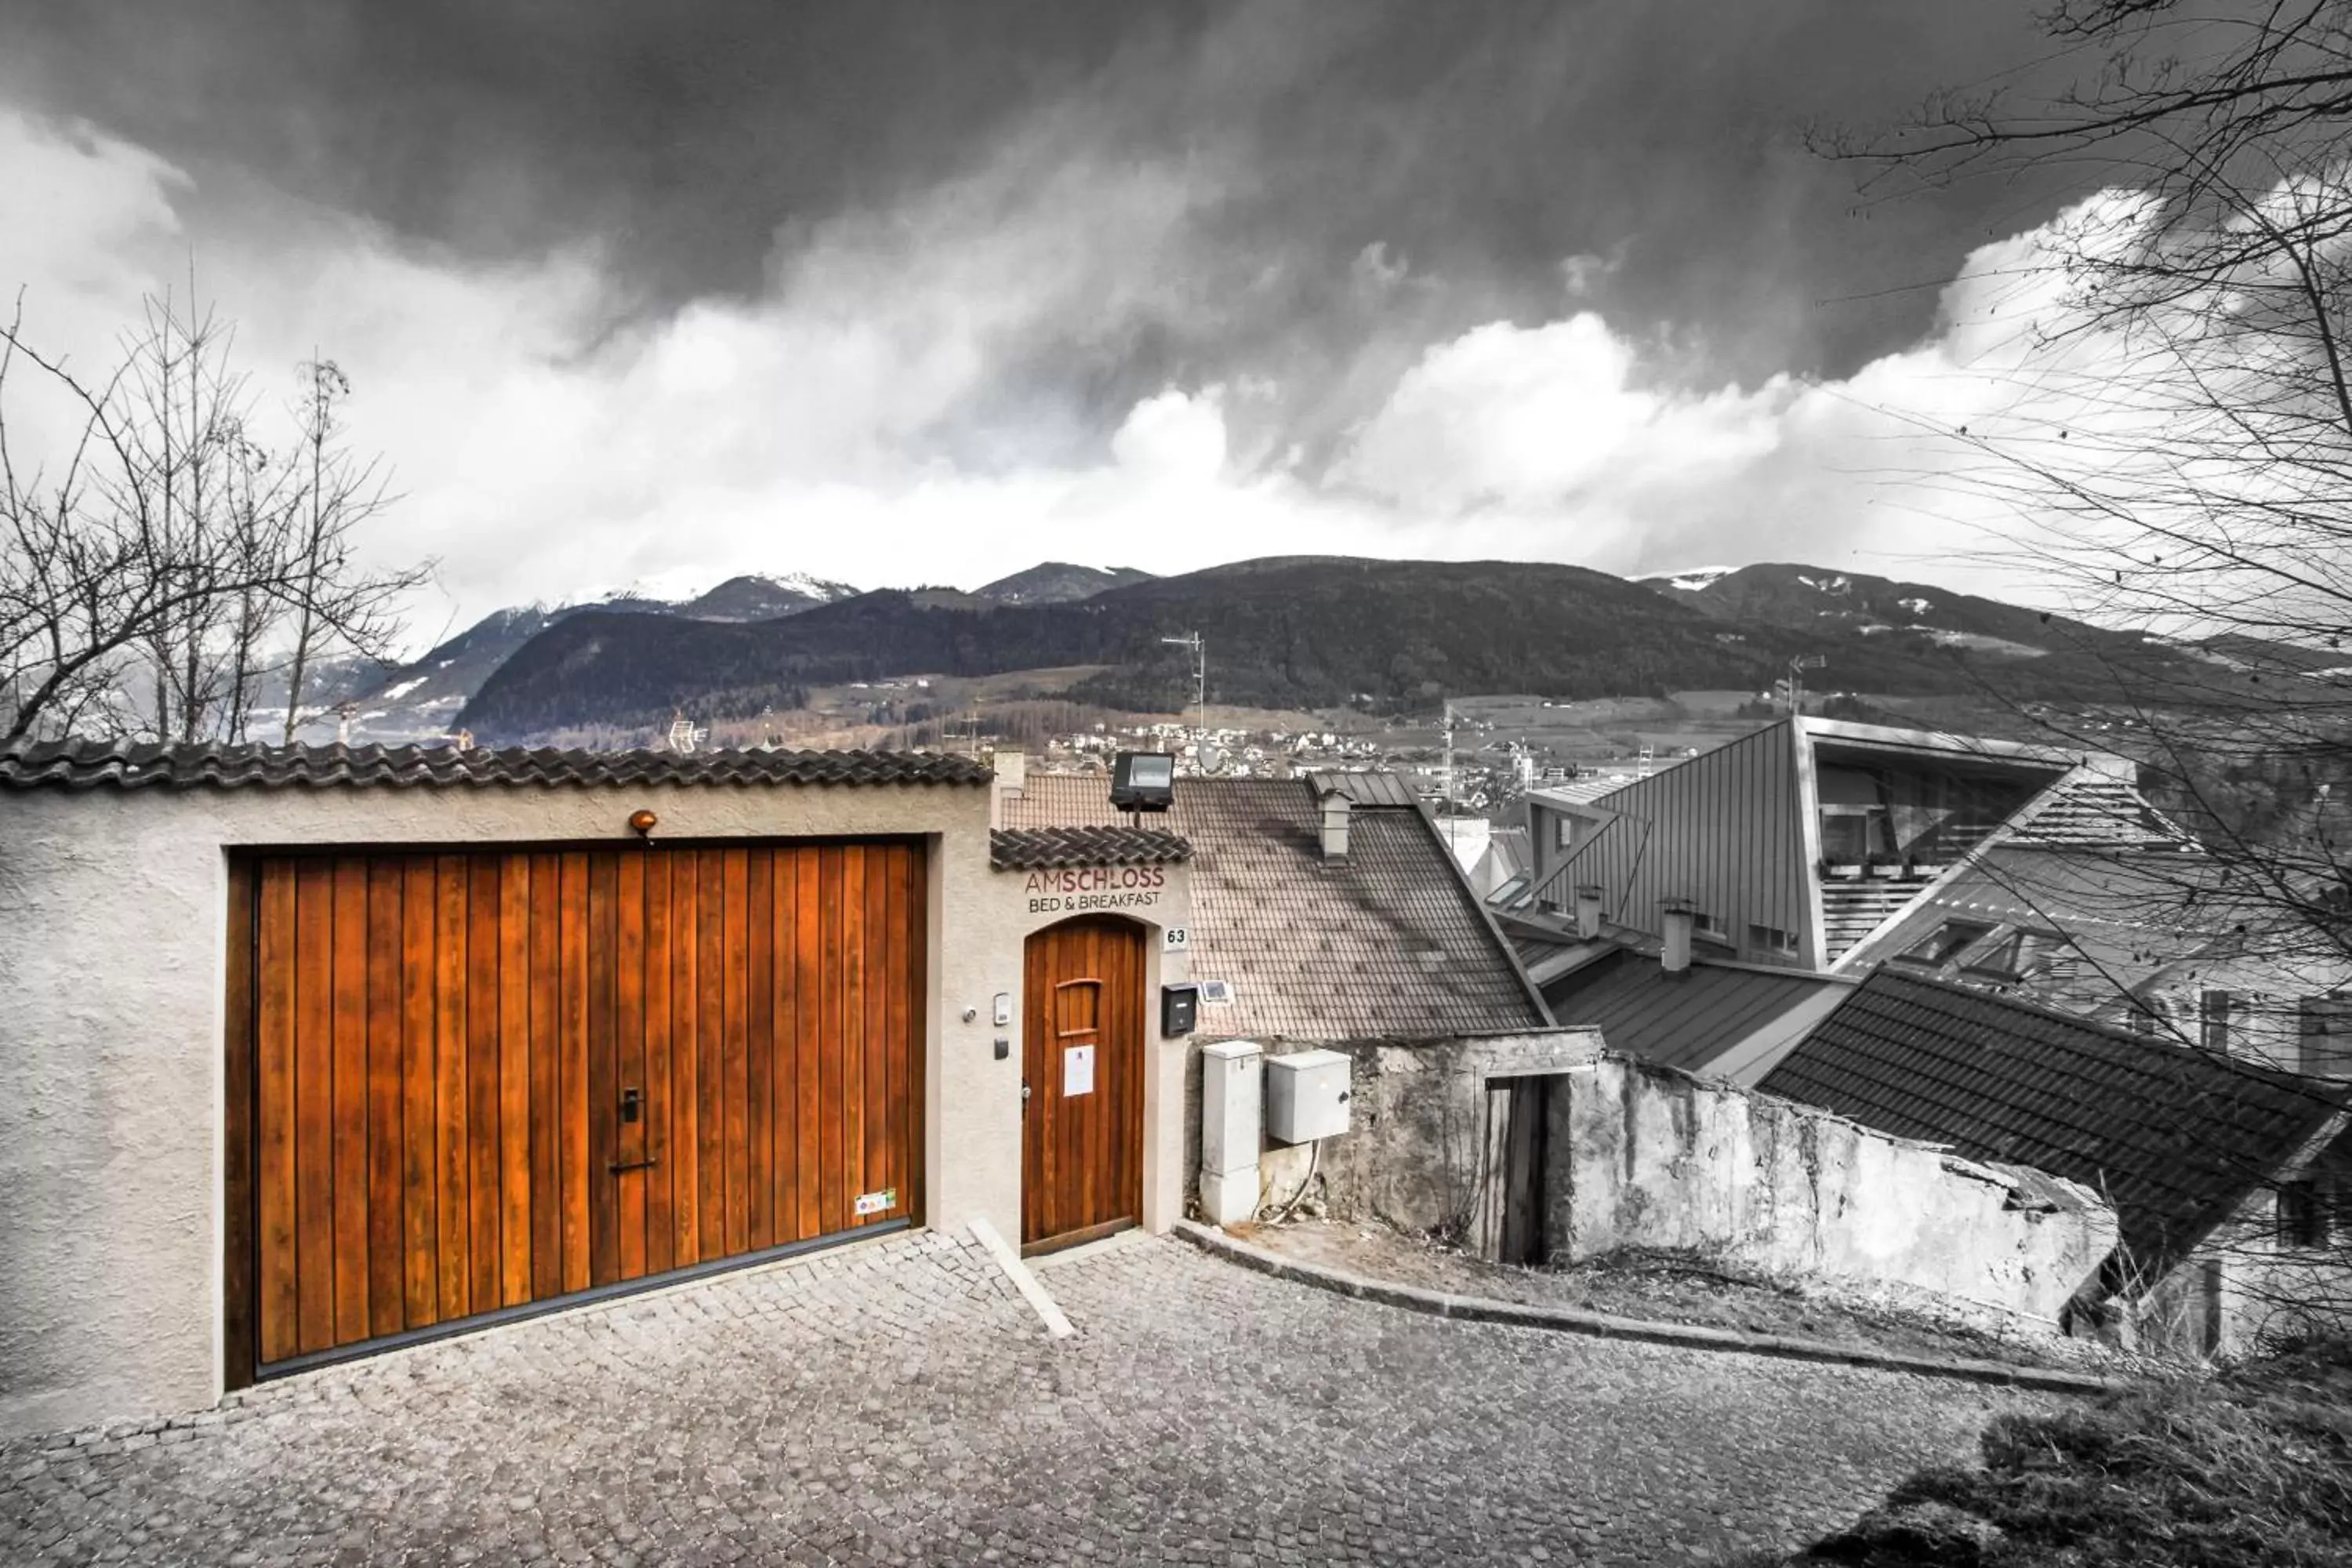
(1083, 1064)
(482, 1081)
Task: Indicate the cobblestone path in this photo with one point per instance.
(898, 1402)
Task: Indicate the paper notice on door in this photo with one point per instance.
(1078, 1070)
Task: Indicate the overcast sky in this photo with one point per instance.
(928, 293)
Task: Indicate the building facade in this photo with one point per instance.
(319, 1051)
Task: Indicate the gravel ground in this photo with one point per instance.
(898, 1402)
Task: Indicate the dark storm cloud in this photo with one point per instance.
(683, 134)
(1384, 174)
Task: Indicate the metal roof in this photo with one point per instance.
(1699, 1020)
(1375, 789)
(1583, 790)
(2173, 1136)
(1387, 944)
(1043, 849)
(95, 764)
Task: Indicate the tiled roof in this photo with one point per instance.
(1040, 849)
(1387, 944)
(2172, 1136)
(90, 765)
(1695, 1020)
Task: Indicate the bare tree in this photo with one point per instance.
(161, 567)
(338, 494)
(2175, 458)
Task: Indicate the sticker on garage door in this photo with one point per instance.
(1078, 1070)
(877, 1203)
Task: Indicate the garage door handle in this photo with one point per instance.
(622, 1165)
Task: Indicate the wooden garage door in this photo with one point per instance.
(482, 1081)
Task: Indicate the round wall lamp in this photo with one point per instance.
(642, 822)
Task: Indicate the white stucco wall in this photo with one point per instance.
(111, 953)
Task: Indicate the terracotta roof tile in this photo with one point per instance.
(89, 765)
(2174, 1137)
(1041, 848)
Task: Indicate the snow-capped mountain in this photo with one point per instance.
(1691, 581)
(421, 700)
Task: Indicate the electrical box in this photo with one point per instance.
(1306, 1096)
(1179, 1009)
(1229, 1130)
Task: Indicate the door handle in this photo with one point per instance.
(620, 1165)
(632, 1104)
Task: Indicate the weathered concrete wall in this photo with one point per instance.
(1414, 1152)
(111, 973)
(1641, 1158)
(1645, 1158)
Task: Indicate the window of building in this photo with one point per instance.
(1946, 943)
(2324, 1036)
(1854, 816)
(2147, 1015)
(1772, 939)
(2213, 1009)
(2302, 1214)
(2016, 954)
(1711, 928)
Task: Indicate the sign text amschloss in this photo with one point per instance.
(1072, 889)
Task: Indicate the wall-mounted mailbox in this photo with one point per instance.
(1306, 1096)
(1179, 1009)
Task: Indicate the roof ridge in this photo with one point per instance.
(83, 763)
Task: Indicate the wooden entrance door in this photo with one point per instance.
(1083, 1064)
(480, 1081)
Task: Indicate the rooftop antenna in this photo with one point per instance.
(1450, 803)
(1796, 681)
(1200, 693)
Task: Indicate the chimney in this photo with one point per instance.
(1677, 958)
(1335, 826)
(1588, 912)
(1011, 770)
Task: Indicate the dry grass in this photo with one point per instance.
(2245, 1467)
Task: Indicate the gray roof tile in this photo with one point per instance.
(1386, 944)
(2174, 1137)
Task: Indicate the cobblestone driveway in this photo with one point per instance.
(898, 1403)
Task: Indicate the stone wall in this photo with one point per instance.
(1647, 1159)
